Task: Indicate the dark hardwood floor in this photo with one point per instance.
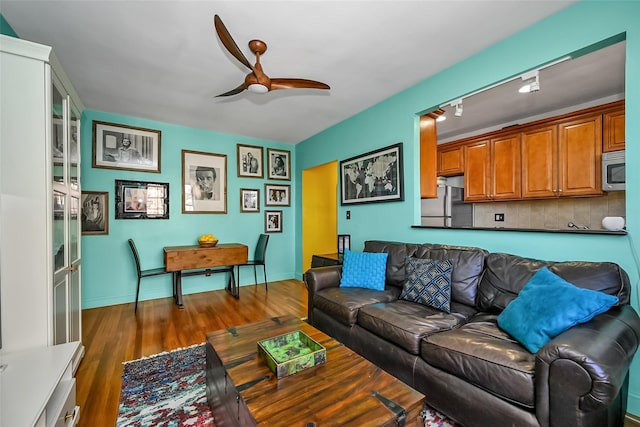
(113, 334)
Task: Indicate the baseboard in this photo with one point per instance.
(631, 420)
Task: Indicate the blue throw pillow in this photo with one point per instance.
(364, 270)
(428, 282)
(549, 305)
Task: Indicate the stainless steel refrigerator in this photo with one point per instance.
(448, 209)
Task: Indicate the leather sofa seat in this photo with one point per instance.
(343, 303)
(406, 323)
(481, 353)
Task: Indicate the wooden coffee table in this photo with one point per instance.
(346, 390)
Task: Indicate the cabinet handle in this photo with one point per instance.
(69, 416)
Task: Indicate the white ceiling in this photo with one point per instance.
(161, 60)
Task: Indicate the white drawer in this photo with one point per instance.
(69, 413)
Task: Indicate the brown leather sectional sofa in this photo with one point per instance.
(470, 369)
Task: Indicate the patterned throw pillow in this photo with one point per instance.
(428, 282)
(364, 270)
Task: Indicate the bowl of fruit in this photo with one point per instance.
(207, 241)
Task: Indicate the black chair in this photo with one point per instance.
(259, 258)
(146, 273)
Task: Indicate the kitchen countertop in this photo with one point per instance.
(529, 230)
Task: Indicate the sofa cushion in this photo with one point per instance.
(468, 264)
(343, 303)
(505, 276)
(405, 323)
(480, 353)
(549, 305)
(363, 270)
(428, 282)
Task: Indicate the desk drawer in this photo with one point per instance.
(69, 413)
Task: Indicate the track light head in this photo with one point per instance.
(531, 82)
(458, 107)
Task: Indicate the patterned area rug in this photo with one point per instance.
(168, 390)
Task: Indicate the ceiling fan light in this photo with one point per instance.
(258, 88)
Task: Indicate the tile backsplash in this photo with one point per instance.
(551, 214)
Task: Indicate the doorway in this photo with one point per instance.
(319, 211)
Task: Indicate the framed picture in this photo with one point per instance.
(277, 195)
(279, 164)
(273, 221)
(249, 200)
(142, 200)
(125, 147)
(250, 163)
(94, 212)
(375, 176)
(204, 182)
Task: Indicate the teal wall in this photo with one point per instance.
(5, 28)
(395, 119)
(108, 270)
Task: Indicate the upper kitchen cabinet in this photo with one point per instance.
(613, 123)
(492, 169)
(450, 159)
(40, 257)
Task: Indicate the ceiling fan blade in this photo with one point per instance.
(235, 91)
(297, 84)
(229, 43)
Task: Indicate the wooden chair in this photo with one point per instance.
(147, 273)
(259, 258)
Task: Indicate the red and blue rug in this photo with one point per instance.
(169, 390)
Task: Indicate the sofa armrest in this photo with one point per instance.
(316, 279)
(581, 372)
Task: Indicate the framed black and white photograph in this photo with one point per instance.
(250, 163)
(125, 147)
(94, 212)
(375, 176)
(142, 200)
(277, 195)
(279, 164)
(249, 200)
(204, 182)
(273, 221)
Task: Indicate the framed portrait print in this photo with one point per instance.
(375, 176)
(249, 200)
(94, 212)
(142, 200)
(279, 163)
(277, 195)
(125, 147)
(250, 161)
(273, 221)
(204, 182)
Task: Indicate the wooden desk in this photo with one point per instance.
(218, 259)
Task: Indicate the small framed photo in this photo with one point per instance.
(94, 212)
(279, 162)
(204, 182)
(277, 195)
(142, 200)
(250, 163)
(371, 177)
(249, 200)
(125, 147)
(273, 221)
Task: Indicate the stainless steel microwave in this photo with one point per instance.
(613, 171)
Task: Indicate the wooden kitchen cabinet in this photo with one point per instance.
(563, 159)
(614, 134)
(539, 148)
(450, 160)
(492, 169)
(579, 157)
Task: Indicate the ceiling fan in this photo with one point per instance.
(257, 81)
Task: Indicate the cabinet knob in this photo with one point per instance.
(69, 416)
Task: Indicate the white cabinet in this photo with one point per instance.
(39, 200)
(37, 387)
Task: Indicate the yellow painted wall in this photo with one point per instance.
(319, 211)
